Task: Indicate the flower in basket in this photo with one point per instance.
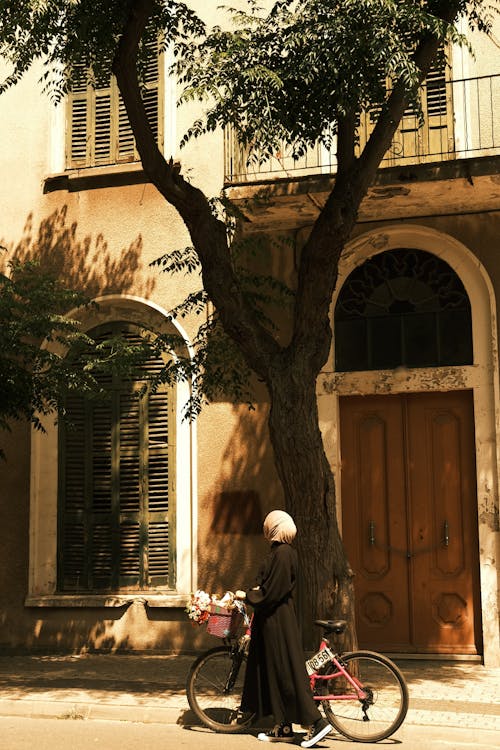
(198, 608)
(226, 601)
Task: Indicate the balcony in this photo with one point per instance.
(450, 162)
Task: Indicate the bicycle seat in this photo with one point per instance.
(332, 626)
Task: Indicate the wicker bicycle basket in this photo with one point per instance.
(223, 622)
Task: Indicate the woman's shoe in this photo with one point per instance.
(319, 729)
(279, 733)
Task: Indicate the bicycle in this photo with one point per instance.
(363, 694)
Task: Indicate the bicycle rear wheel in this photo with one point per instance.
(383, 709)
(214, 688)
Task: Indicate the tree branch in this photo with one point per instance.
(346, 141)
(388, 122)
(208, 233)
(334, 225)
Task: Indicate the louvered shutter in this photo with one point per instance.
(100, 501)
(117, 486)
(85, 493)
(125, 141)
(99, 132)
(131, 490)
(424, 142)
(412, 141)
(439, 111)
(149, 481)
(125, 147)
(102, 127)
(151, 90)
(72, 487)
(78, 142)
(160, 489)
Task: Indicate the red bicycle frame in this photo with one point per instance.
(341, 672)
(316, 677)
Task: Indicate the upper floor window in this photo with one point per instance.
(402, 308)
(116, 485)
(425, 135)
(98, 130)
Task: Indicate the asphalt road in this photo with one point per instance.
(19, 733)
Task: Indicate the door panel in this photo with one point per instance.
(374, 518)
(442, 496)
(409, 520)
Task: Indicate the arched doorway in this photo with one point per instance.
(481, 379)
(408, 460)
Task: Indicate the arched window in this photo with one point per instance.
(402, 307)
(116, 493)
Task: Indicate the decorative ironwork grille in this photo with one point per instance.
(402, 308)
(460, 122)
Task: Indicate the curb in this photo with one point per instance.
(77, 710)
(442, 716)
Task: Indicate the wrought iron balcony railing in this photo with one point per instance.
(461, 119)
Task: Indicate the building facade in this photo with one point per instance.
(107, 528)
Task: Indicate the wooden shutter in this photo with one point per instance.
(425, 142)
(125, 146)
(151, 91)
(415, 142)
(100, 499)
(102, 127)
(77, 147)
(100, 122)
(160, 488)
(117, 486)
(72, 488)
(131, 490)
(99, 132)
(439, 112)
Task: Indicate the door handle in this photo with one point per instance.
(371, 537)
(446, 534)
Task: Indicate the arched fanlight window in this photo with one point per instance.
(402, 308)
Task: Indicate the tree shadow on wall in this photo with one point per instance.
(230, 541)
(86, 264)
(230, 549)
(234, 498)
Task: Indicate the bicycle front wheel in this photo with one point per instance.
(214, 688)
(375, 713)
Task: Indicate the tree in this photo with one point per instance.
(32, 307)
(36, 379)
(298, 71)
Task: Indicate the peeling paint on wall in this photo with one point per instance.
(396, 381)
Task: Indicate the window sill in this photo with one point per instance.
(107, 600)
(91, 178)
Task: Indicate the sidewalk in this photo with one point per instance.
(152, 689)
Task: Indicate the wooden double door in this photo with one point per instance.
(409, 520)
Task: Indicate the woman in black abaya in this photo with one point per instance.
(276, 681)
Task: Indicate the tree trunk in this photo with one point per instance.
(326, 580)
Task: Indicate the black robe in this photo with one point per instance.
(276, 680)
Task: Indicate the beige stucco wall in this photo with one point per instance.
(103, 240)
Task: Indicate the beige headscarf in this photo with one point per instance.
(279, 527)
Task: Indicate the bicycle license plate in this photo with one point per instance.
(319, 660)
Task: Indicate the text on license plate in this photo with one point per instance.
(318, 660)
